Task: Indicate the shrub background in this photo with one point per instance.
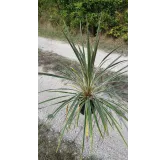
(114, 15)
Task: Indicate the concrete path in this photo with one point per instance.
(65, 50)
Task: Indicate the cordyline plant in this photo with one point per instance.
(89, 95)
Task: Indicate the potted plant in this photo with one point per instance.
(89, 95)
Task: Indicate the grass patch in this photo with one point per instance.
(52, 62)
(106, 43)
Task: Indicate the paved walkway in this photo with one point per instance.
(65, 50)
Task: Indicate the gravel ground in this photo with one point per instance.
(64, 49)
(111, 148)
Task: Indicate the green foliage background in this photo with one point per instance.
(114, 15)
